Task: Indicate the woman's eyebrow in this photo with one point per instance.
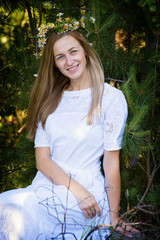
(72, 48)
(59, 54)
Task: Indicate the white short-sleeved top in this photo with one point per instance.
(75, 144)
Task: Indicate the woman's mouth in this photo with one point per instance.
(73, 68)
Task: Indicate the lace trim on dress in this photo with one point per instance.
(4, 230)
(109, 127)
(75, 97)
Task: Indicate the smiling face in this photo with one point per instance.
(70, 59)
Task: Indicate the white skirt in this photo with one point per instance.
(44, 211)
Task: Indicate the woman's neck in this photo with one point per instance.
(79, 85)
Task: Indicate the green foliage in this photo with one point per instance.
(133, 193)
(110, 20)
(153, 197)
(139, 103)
(131, 187)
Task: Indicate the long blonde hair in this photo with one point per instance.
(50, 83)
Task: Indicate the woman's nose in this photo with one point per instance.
(69, 60)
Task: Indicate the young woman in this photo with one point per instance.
(75, 119)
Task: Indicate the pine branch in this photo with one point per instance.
(155, 169)
(110, 20)
(133, 78)
(138, 118)
(13, 170)
(141, 134)
(149, 79)
(128, 95)
(72, 8)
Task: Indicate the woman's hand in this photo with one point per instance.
(124, 228)
(87, 202)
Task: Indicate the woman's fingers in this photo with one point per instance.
(85, 213)
(90, 207)
(98, 211)
(89, 212)
(127, 230)
(123, 227)
(124, 232)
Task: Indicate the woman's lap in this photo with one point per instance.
(40, 212)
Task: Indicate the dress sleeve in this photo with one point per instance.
(41, 137)
(114, 122)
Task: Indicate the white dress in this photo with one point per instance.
(46, 211)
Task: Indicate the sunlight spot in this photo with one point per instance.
(81, 132)
(4, 40)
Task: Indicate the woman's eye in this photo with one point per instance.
(60, 57)
(73, 51)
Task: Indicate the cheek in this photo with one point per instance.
(59, 65)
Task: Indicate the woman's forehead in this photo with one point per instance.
(64, 44)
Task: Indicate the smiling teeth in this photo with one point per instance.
(70, 69)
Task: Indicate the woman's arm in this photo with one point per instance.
(113, 188)
(55, 174)
(112, 181)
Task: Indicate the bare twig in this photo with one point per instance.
(147, 211)
(112, 79)
(156, 167)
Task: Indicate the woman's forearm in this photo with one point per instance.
(52, 171)
(113, 193)
(112, 181)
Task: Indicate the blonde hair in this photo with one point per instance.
(50, 83)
